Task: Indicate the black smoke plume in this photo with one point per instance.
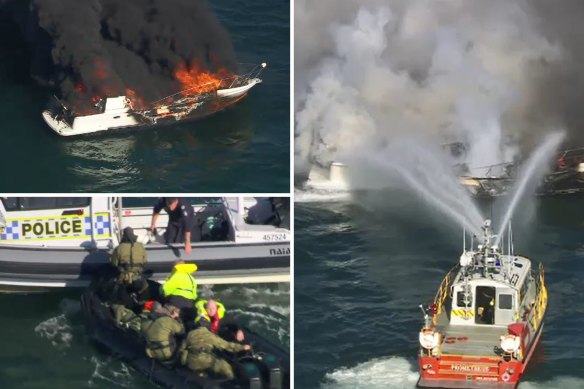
(98, 48)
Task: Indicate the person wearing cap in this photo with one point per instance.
(209, 315)
(129, 258)
(199, 352)
(181, 221)
(180, 288)
(160, 331)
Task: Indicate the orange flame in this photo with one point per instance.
(195, 80)
(137, 101)
(100, 69)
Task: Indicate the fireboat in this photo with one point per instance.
(486, 319)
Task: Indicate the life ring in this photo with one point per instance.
(505, 377)
(462, 338)
(450, 339)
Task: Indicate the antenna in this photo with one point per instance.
(464, 238)
(512, 247)
(509, 234)
(509, 242)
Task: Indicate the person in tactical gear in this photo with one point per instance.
(181, 221)
(160, 331)
(209, 315)
(129, 258)
(198, 352)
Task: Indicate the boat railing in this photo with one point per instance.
(443, 293)
(230, 81)
(540, 303)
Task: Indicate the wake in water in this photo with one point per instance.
(110, 372)
(379, 373)
(58, 329)
(310, 194)
(399, 373)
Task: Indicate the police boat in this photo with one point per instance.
(55, 242)
(265, 366)
(120, 112)
(486, 319)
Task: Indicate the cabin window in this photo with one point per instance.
(460, 299)
(10, 203)
(34, 203)
(505, 301)
(116, 117)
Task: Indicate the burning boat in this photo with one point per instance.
(118, 112)
(486, 319)
(566, 177)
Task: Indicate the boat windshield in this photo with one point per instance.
(37, 203)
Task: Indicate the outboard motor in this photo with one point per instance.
(250, 375)
(274, 372)
(269, 368)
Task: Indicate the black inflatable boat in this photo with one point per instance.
(267, 366)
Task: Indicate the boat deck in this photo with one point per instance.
(480, 340)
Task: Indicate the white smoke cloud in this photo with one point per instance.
(369, 73)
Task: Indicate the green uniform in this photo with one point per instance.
(126, 317)
(130, 259)
(160, 336)
(197, 352)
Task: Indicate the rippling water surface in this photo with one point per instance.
(363, 265)
(44, 343)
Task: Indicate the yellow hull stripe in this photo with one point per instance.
(36, 228)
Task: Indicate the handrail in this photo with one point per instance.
(443, 292)
(540, 303)
(222, 81)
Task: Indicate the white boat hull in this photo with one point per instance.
(25, 267)
(332, 178)
(65, 246)
(239, 91)
(123, 117)
(94, 125)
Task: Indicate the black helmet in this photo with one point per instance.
(128, 235)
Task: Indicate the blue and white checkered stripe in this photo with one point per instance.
(102, 225)
(87, 225)
(12, 231)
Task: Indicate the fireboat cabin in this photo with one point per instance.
(485, 322)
